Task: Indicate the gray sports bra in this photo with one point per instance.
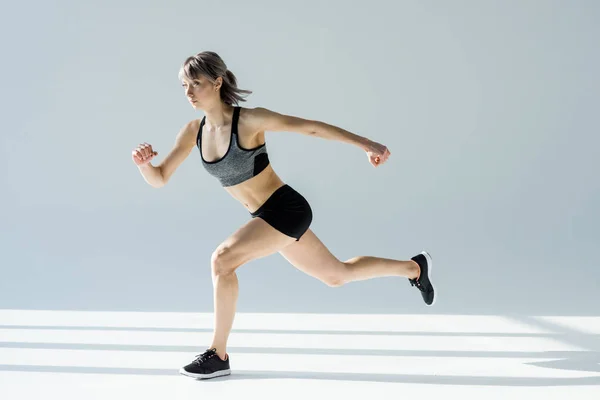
(238, 164)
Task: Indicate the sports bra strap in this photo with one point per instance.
(234, 122)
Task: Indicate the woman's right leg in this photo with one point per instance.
(311, 256)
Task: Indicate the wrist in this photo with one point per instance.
(146, 166)
(363, 143)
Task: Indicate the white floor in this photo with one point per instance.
(131, 355)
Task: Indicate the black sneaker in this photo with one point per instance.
(207, 365)
(423, 283)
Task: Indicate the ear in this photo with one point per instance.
(218, 83)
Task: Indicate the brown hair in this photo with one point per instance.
(210, 65)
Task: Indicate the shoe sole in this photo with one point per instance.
(429, 269)
(205, 376)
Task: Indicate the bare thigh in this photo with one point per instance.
(253, 240)
(312, 257)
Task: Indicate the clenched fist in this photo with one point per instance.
(143, 154)
(377, 153)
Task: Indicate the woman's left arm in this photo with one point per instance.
(266, 120)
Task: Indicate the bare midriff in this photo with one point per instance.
(256, 190)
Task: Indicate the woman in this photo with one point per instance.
(231, 143)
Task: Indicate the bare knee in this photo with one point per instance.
(338, 277)
(333, 281)
(223, 261)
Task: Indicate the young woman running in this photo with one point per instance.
(231, 143)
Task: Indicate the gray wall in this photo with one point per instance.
(490, 109)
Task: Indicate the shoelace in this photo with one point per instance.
(200, 358)
(414, 282)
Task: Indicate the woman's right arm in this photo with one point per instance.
(159, 176)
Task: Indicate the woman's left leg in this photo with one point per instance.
(254, 240)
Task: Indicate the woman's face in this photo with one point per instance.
(201, 92)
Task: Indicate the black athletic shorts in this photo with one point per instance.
(287, 211)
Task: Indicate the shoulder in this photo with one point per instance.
(253, 119)
(189, 131)
(193, 126)
(264, 119)
(254, 116)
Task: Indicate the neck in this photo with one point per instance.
(218, 115)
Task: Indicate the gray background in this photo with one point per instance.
(490, 110)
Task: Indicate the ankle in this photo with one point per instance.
(416, 273)
(222, 354)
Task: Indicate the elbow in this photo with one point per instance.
(161, 181)
(315, 127)
(156, 184)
